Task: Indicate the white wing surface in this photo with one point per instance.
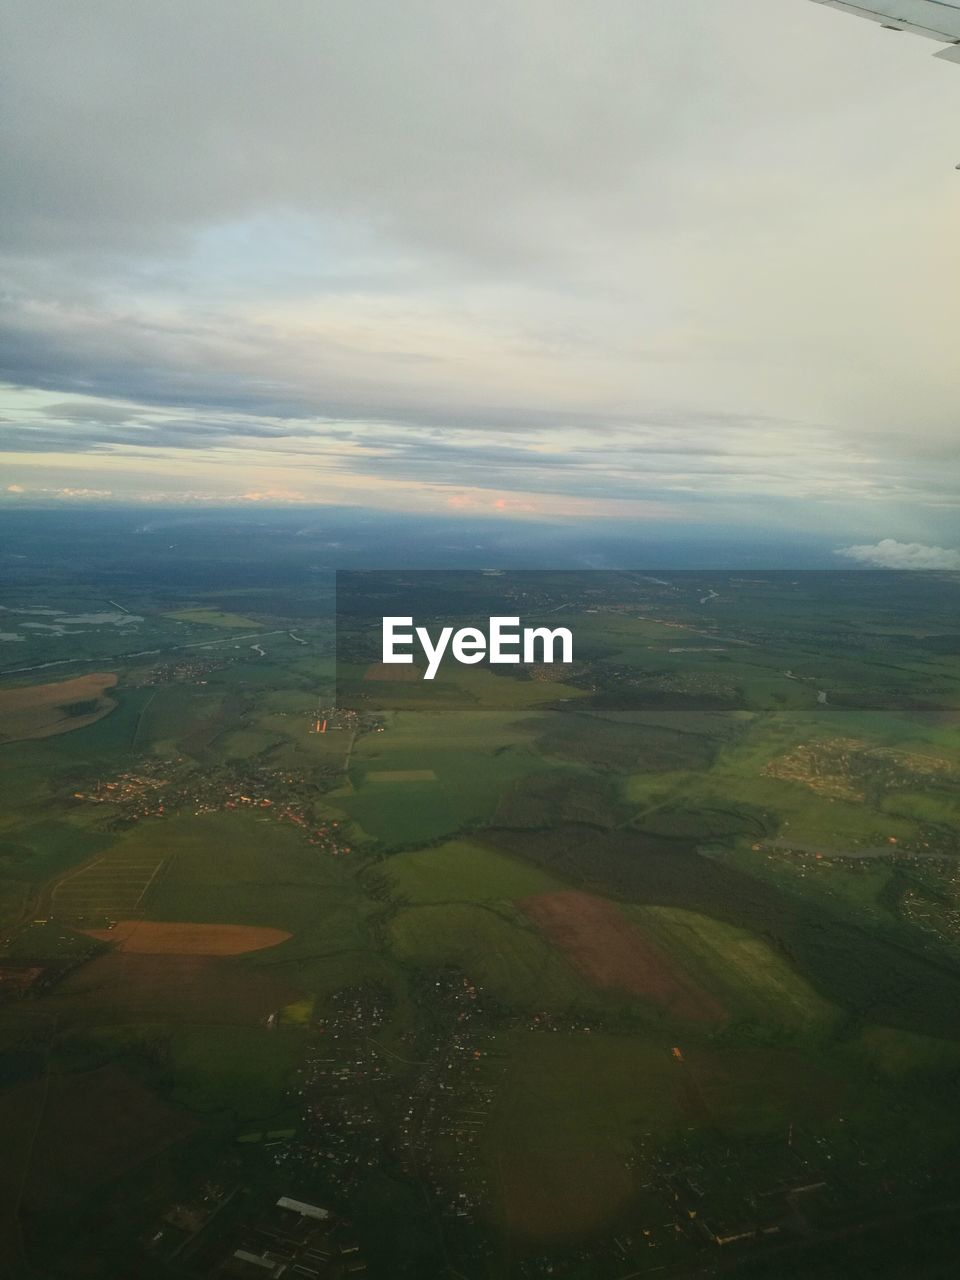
(935, 19)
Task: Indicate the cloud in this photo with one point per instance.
(272, 496)
(483, 501)
(68, 492)
(890, 554)
(442, 248)
(385, 121)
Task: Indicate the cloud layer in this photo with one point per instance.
(890, 554)
(637, 260)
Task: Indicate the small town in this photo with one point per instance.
(158, 788)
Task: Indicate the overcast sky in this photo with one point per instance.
(672, 260)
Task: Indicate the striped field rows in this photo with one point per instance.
(111, 887)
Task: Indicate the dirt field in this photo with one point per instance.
(41, 710)
(613, 953)
(159, 938)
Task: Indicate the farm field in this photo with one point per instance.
(112, 885)
(212, 618)
(154, 937)
(70, 1153)
(572, 1104)
(613, 953)
(747, 974)
(142, 988)
(40, 711)
(495, 942)
(471, 759)
(463, 871)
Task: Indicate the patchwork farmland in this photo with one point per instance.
(560, 995)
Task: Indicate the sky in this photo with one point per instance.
(674, 262)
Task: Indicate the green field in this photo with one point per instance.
(561, 1139)
(498, 946)
(460, 871)
(474, 757)
(212, 618)
(752, 980)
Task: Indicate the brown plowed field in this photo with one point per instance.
(612, 952)
(160, 938)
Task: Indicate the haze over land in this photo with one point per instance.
(689, 264)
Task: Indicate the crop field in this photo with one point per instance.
(474, 758)
(623, 744)
(41, 711)
(239, 1072)
(36, 768)
(848, 962)
(244, 1071)
(922, 806)
(558, 1146)
(41, 847)
(93, 1128)
(121, 988)
(462, 871)
(612, 952)
(560, 1141)
(750, 978)
(234, 869)
(70, 1138)
(111, 887)
(181, 718)
(212, 618)
(245, 745)
(496, 943)
(238, 879)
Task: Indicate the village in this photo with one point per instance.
(694, 1197)
(158, 786)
